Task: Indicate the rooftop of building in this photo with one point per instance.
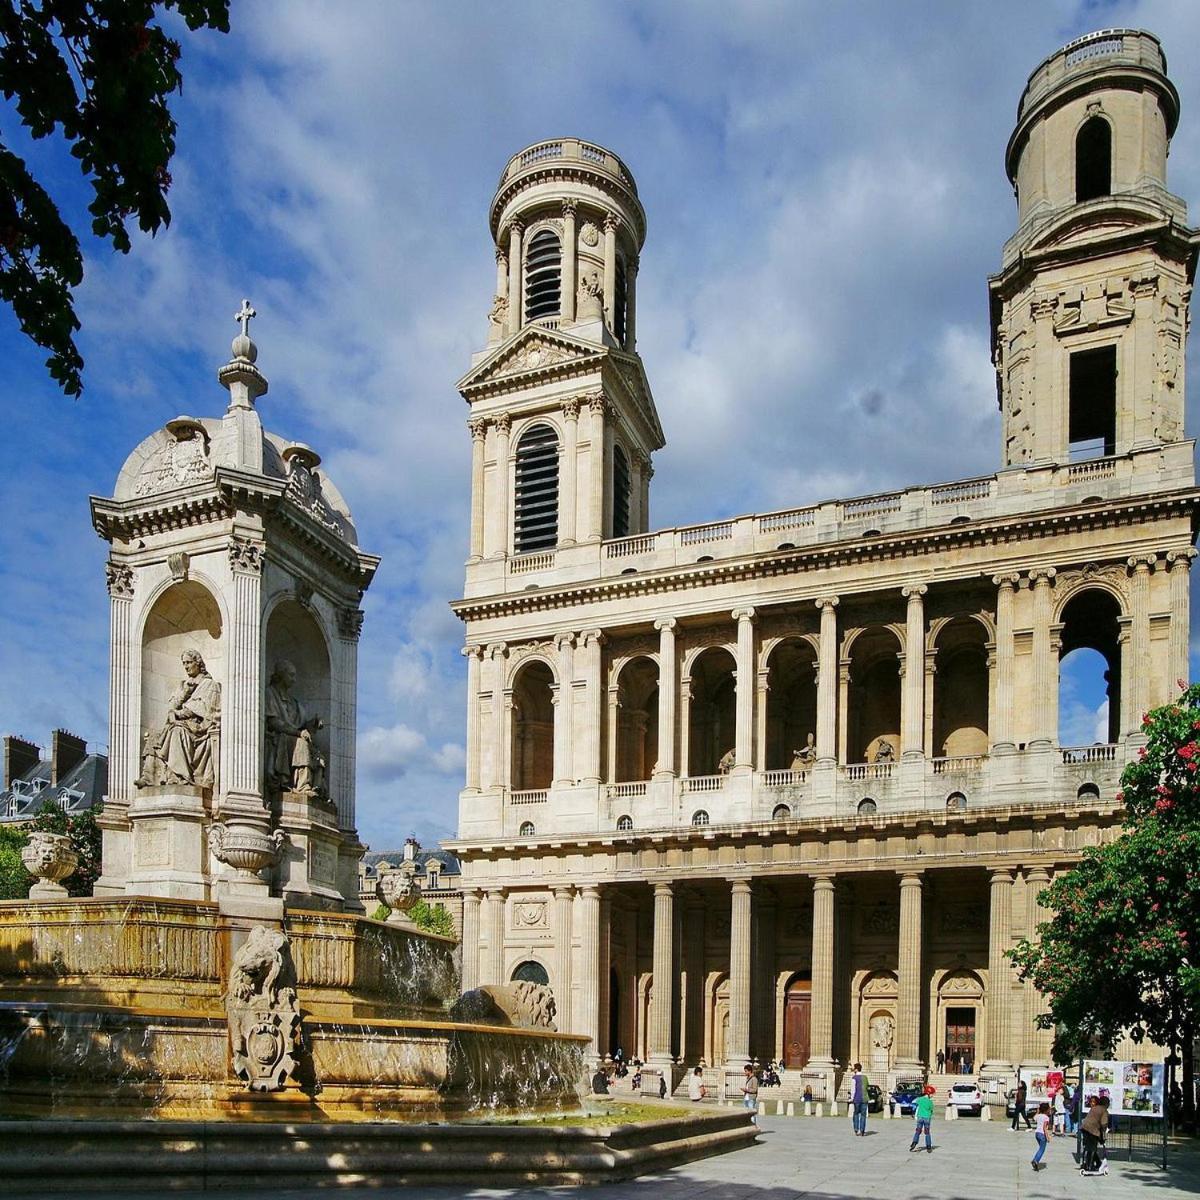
(69, 776)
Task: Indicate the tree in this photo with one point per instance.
(84, 833)
(430, 918)
(15, 881)
(1118, 956)
(98, 73)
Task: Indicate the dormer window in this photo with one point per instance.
(543, 276)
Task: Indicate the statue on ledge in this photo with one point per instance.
(804, 758)
(293, 761)
(186, 747)
(885, 752)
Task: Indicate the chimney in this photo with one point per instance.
(411, 846)
(19, 756)
(66, 753)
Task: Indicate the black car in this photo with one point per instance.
(874, 1099)
(904, 1098)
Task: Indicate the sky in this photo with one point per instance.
(825, 193)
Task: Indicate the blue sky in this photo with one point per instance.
(825, 191)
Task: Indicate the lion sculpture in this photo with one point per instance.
(522, 1005)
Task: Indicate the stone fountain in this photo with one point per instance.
(223, 971)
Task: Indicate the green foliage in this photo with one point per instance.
(427, 917)
(1119, 953)
(98, 73)
(15, 881)
(381, 913)
(84, 832)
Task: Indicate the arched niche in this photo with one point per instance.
(960, 690)
(185, 617)
(294, 636)
(533, 727)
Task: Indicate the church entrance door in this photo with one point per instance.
(797, 1023)
(960, 1039)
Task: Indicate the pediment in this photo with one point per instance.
(536, 352)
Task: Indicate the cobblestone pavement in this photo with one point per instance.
(819, 1159)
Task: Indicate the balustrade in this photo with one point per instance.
(1072, 755)
(958, 764)
(534, 796)
(702, 783)
(777, 779)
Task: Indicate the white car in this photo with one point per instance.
(966, 1097)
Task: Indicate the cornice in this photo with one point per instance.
(998, 531)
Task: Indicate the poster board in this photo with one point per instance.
(1040, 1084)
(1134, 1089)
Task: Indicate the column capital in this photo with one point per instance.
(516, 227)
(569, 208)
(119, 579)
(597, 403)
(1037, 875)
(590, 891)
(570, 408)
(563, 891)
(1008, 580)
(564, 641)
(471, 895)
(1042, 576)
(611, 222)
(664, 888)
(478, 427)
(740, 886)
(824, 883)
(911, 878)
(1001, 875)
(914, 591)
(496, 893)
(501, 255)
(474, 650)
(591, 637)
(503, 423)
(496, 651)
(823, 602)
(666, 624)
(1142, 562)
(1181, 558)
(246, 556)
(744, 614)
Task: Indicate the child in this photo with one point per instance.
(924, 1113)
(1041, 1127)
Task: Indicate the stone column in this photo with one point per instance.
(827, 682)
(613, 727)
(1045, 669)
(737, 1050)
(561, 928)
(1002, 735)
(516, 300)
(501, 273)
(1036, 1042)
(637, 463)
(1178, 669)
(744, 694)
(591, 640)
(1138, 680)
(913, 716)
(502, 424)
(999, 1057)
(478, 428)
(668, 691)
(644, 503)
(570, 250)
(498, 770)
(908, 1024)
(123, 684)
(1049, 433)
(664, 974)
(473, 655)
(241, 701)
(588, 1021)
(597, 413)
(564, 758)
(470, 939)
(568, 483)
(823, 941)
(631, 270)
(611, 224)
(761, 696)
(492, 970)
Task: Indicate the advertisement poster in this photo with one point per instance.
(1134, 1089)
(1040, 1085)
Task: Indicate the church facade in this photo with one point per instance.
(788, 785)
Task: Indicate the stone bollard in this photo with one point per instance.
(833, 1108)
(762, 1108)
(985, 1112)
(887, 1111)
(808, 1108)
(790, 1109)
(951, 1112)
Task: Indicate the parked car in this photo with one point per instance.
(904, 1098)
(966, 1097)
(874, 1099)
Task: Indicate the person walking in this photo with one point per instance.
(1020, 1113)
(858, 1101)
(750, 1092)
(1093, 1127)
(941, 1061)
(924, 1114)
(1041, 1124)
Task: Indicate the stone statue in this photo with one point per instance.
(885, 752)
(590, 302)
(293, 761)
(399, 890)
(804, 758)
(883, 1032)
(48, 857)
(498, 315)
(726, 763)
(186, 748)
(522, 1004)
(260, 1005)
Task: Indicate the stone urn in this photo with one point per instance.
(399, 890)
(245, 848)
(49, 858)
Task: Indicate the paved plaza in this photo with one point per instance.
(821, 1160)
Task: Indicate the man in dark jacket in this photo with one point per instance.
(1020, 1112)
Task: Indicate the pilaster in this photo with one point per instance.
(908, 1023)
(668, 690)
(999, 1057)
(913, 706)
(664, 975)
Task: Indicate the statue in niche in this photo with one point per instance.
(186, 747)
(293, 761)
(590, 301)
(883, 1032)
(804, 758)
(726, 763)
(885, 752)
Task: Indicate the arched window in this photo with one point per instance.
(867, 808)
(527, 829)
(1088, 791)
(699, 817)
(625, 823)
(956, 801)
(781, 812)
(535, 510)
(619, 302)
(543, 275)
(530, 972)
(620, 502)
(1093, 160)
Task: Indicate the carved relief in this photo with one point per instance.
(534, 353)
(260, 1006)
(178, 564)
(881, 918)
(184, 461)
(304, 487)
(589, 235)
(119, 579)
(590, 300)
(350, 623)
(522, 1004)
(529, 914)
(245, 557)
(964, 918)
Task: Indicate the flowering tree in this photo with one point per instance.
(1118, 956)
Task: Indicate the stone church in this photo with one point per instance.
(788, 785)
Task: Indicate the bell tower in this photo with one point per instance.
(562, 420)
(1089, 311)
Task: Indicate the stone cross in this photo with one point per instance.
(244, 315)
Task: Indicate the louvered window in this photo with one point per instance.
(620, 510)
(543, 276)
(619, 303)
(535, 512)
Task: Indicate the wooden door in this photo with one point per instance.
(960, 1036)
(797, 1024)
